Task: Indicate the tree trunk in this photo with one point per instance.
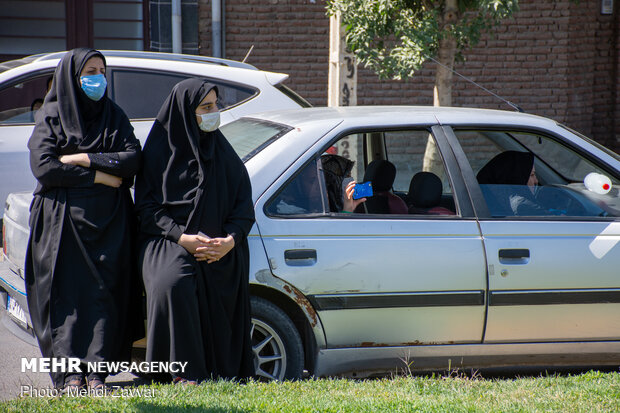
(442, 92)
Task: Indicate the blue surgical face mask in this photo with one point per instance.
(94, 86)
(209, 121)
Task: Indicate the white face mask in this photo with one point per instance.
(209, 121)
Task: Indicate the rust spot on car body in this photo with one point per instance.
(406, 344)
(303, 302)
(372, 344)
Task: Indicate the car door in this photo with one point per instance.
(378, 279)
(553, 274)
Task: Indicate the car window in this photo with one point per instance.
(19, 101)
(413, 151)
(302, 195)
(390, 161)
(141, 93)
(565, 183)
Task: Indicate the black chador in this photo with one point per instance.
(81, 278)
(190, 182)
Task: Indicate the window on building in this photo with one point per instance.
(31, 27)
(118, 25)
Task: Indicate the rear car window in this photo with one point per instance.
(250, 136)
(141, 93)
(19, 101)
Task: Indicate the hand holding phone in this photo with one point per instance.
(363, 190)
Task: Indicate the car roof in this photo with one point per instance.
(188, 64)
(131, 54)
(369, 116)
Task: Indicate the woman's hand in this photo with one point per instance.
(215, 250)
(350, 204)
(80, 159)
(107, 179)
(192, 242)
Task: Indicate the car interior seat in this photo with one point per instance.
(424, 196)
(382, 174)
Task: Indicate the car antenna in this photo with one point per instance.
(513, 105)
(247, 54)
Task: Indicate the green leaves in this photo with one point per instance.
(394, 38)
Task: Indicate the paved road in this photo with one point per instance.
(12, 349)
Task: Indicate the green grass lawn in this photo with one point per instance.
(589, 392)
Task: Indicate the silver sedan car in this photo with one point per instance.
(490, 239)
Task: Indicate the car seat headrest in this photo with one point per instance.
(425, 190)
(381, 173)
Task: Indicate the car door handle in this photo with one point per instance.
(297, 258)
(514, 256)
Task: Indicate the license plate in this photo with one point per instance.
(15, 311)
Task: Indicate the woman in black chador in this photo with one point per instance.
(194, 204)
(80, 267)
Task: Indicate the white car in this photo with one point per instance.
(457, 278)
(138, 82)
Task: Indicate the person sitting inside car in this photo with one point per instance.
(34, 107)
(340, 185)
(303, 194)
(511, 176)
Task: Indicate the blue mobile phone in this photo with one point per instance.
(363, 190)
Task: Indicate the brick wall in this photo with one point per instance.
(557, 59)
(290, 36)
(615, 74)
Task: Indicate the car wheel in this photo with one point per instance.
(277, 347)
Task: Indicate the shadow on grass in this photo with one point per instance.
(149, 399)
(145, 406)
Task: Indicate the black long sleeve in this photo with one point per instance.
(153, 217)
(241, 218)
(124, 164)
(46, 167)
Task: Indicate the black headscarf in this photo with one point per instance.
(507, 168)
(178, 117)
(78, 113)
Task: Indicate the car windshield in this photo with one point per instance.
(593, 142)
(250, 136)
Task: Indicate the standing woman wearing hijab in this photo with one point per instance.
(80, 267)
(194, 205)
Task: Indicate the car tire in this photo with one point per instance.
(276, 344)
